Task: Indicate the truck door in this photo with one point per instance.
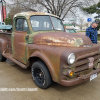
(19, 40)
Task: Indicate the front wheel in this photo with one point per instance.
(41, 75)
(2, 58)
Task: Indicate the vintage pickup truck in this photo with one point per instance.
(3, 26)
(38, 40)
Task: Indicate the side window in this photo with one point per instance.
(25, 25)
(21, 25)
(2, 23)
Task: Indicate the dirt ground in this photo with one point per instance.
(13, 76)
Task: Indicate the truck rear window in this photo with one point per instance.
(41, 23)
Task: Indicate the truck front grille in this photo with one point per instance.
(83, 64)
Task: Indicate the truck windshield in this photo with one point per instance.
(57, 23)
(42, 23)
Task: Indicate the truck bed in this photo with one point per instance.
(7, 36)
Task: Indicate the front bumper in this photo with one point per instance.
(79, 79)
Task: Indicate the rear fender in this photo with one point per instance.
(3, 45)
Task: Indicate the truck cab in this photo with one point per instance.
(38, 40)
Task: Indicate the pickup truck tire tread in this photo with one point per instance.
(2, 58)
(41, 75)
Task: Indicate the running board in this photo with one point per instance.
(10, 57)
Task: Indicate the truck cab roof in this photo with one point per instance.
(28, 14)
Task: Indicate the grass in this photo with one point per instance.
(98, 38)
(81, 31)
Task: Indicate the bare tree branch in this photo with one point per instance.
(58, 7)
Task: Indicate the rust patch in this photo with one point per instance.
(58, 39)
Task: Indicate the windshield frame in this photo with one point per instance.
(53, 29)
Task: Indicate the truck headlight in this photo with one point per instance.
(71, 58)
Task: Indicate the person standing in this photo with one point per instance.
(91, 31)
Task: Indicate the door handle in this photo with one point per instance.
(13, 36)
(27, 36)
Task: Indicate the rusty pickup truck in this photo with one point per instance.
(38, 40)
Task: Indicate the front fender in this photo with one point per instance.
(48, 64)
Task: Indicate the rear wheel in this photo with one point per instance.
(2, 58)
(41, 75)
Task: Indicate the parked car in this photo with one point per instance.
(5, 27)
(71, 30)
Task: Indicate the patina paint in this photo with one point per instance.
(19, 42)
(19, 46)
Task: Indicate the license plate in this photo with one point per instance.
(93, 76)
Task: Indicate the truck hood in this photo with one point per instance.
(61, 39)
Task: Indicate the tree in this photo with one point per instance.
(93, 9)
(86, 24)
(16, 7)
(8, 20)
(98, 24)
(81, 20)
(58, 7)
